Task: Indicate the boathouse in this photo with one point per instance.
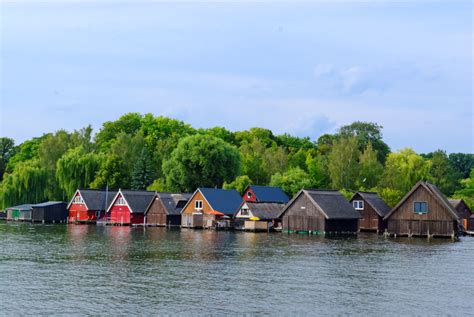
(51, 212)
(257, 216)
(372, 209)
(210, 207)
(464, 213)
(89, 205)
(256, 193)
(19, 213)
(165, 209)
(424, 211)
(319, 211)
(128, 207)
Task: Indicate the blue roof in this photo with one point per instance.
(226, 201)
(269, 194)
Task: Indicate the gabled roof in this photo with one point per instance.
(264, 211)
(330, 202)
(94, 199)
(375, 201)
(434, 191)
(48, 203)
(173, 202)
(455, 202)
(226, 201)
(137, 200)
(269, 194)
(21, 207)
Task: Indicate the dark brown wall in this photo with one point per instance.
(438, 220)
(370, 218)
(156, 213)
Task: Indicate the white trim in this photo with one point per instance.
(360, 204)
(72, 200)
(115, 198)
(420, 212)
(191, 199)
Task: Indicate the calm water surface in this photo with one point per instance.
(72, 270)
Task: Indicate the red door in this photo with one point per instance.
(120, 214)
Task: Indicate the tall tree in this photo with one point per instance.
(112, 173)
(143, 171)
(462, 163)
(253, 162)
(343, 166)
(442, 174)
(201, 161)
(318, 170)
(366, 132)
(467, 190)
(370, 169)
(6, 150)
(240, 183)
(403, 169)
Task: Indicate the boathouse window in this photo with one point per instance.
(198, 204)
(249, 195)
(78, 200)
(420, 207)
(358, 204)
(244, 212)
(120, 201)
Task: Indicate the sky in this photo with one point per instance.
(304, 68)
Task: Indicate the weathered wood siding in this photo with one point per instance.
(255, 225)
(465, 214)
(302, 215)
(156, 215)
(370, 221)
(437, 221)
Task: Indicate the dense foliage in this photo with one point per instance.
(158, 153)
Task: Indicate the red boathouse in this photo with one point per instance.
(89, 205)
(128, 207)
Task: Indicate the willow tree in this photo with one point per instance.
(370, 169)
(343, 165)
(26, 184)
(76, 169)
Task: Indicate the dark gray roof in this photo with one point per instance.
(455, 202)
(265, 211)
(138, 200)
(435, 190)
(226, 201)
(333, 204)
(269, 194)
(95, 199)
(47, 204)
(374, 200)
(21, 207)
(174, 202)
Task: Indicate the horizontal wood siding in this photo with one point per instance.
(190, 207)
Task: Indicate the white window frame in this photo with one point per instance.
(121, 201)
(244, 212)
(358, 204)
(198, 204)
(78, 200)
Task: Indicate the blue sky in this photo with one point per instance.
(305, 68)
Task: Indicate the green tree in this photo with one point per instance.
(298, 159)
(240, 183)
(129, 123)
(143, 171)
(293, 144)
(324, 144)
(201, 161)
(318, 170)
(462, 163)
(6, 150)
(159, 185)
(112, 172)
(253, 162)
(366, 132)
(291, 181)
(27, 150)
(403, 169)
(442, 174)
(370, 169)
(343, 166)
(76, 169)
(391, 196)
(467, 190)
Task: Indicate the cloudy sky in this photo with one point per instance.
(305, 68)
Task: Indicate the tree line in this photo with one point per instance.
(159, 153)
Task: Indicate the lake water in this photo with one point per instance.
(76, 270)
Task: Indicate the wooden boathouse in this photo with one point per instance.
(257, 216)
(210, 208)
(464, 213)
(50, 212)
(165, 209)
(424, 211)
(19, 213)
(317, 211)
(372, 209)
(128, 207)
(89, 205)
